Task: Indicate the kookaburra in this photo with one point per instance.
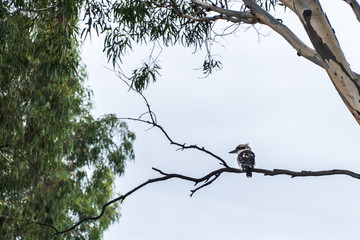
(245, 158)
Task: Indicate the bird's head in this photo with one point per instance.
(241, 148)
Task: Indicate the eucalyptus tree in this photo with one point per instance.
(57, 162)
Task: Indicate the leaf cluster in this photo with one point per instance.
(126, 23)
(269, 4)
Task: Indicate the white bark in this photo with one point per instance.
(267, 19)
(355, 7)
(326, 45)
(244, 16)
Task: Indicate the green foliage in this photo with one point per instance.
(141, 77)
(57, 163)
(209, 65)
(268, 4)
(126, 23)
(141, 21)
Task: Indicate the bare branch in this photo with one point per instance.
(166, 176)
(212, 18)
(150, 112)
(355, 7)
(243, 16)
(307, 173)
(181, 145)
(206, 180)
(226, 14)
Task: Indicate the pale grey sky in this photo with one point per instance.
(283, 105)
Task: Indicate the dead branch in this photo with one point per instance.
(205, 181)
(307, 173)
(181, 146)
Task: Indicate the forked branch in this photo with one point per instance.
(204, 181)
(181, 146)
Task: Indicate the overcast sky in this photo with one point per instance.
(283, 105)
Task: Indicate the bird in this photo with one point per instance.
(245, 158)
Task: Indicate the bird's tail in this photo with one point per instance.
(248, 171)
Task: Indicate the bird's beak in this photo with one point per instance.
(233, 151)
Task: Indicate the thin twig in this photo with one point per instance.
(207, 182)
(181, 145)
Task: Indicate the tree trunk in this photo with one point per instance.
(327, 46)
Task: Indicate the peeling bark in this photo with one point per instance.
(327, 46)
(301, 48)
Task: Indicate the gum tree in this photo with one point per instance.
(57, 162)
